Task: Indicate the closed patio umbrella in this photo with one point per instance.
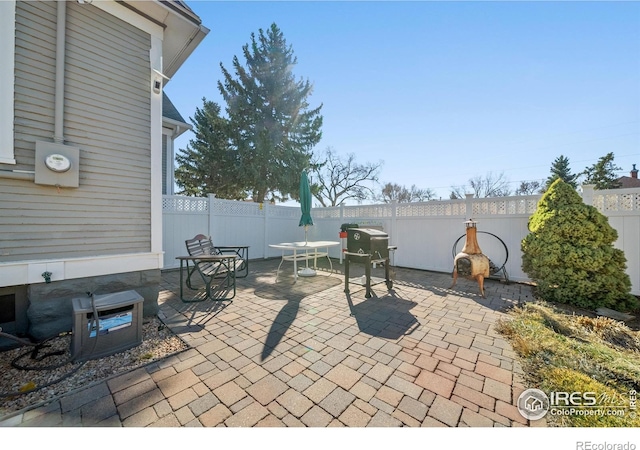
(305, 220)
(305, 203)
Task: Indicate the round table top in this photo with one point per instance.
(304, 245)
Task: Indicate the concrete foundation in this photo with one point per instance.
(50, 309)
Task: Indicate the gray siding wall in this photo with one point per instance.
(34, 85)
(107, 115)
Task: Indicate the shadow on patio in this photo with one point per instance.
(307, 353)
(292, 293)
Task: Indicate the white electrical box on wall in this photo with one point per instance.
(57, 164)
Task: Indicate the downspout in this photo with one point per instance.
(58, 135)
(172, 178)
(61, 27)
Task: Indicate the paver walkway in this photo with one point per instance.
(306, 354)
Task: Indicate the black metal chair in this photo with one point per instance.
(212, 263)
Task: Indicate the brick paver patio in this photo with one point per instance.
(309, 355)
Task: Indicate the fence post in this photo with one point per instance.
(265, 244)
(341, 222)
(468, 206)
(394, 215)
(587, 194)
(210, 200)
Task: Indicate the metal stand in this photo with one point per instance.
(494, 268)
(367, 270)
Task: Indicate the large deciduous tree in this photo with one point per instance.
(529, 188)
(491, 185)
(394, 192)
(209, 165)
(337, 179)
(272, 127)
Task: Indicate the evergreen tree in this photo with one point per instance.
(272, 127)
(569, 253)
(209, 164)
(560, 169)
(602, 174)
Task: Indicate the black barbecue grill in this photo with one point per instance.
(367, 246)
(368, 240)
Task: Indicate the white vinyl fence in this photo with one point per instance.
(424, 233)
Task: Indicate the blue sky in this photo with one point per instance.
(445, 91)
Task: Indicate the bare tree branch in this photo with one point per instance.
(490, 185)
(529, 188)
(402, 194)
(337, 179)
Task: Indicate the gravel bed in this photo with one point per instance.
(56, 375)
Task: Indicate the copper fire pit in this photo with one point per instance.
(470, 262)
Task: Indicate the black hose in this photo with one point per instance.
(36, 357)
(96, 319)
(33, 352)
(37, 388)
(41, 345)
(16, 338)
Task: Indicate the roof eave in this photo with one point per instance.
(178, 127)
(183, 29)
(174, 61)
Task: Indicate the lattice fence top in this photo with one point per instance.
(285, 211)
(368, 211)
(185, 204)
(370, 223)
(435, 208)
(608, 201)
(613, 200)
(503, 206)
(330, 212)
(237, 208)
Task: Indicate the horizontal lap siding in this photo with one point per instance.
(107, 115)
(35, 67)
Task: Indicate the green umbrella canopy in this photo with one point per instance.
(305, 201)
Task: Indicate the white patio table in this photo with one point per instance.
(304, 251)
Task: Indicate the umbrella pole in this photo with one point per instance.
(306, 227)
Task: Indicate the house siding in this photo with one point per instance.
(106, 115)
(35, 62)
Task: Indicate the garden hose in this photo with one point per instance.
(38, 347)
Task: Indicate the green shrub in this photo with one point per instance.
(569, 253)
